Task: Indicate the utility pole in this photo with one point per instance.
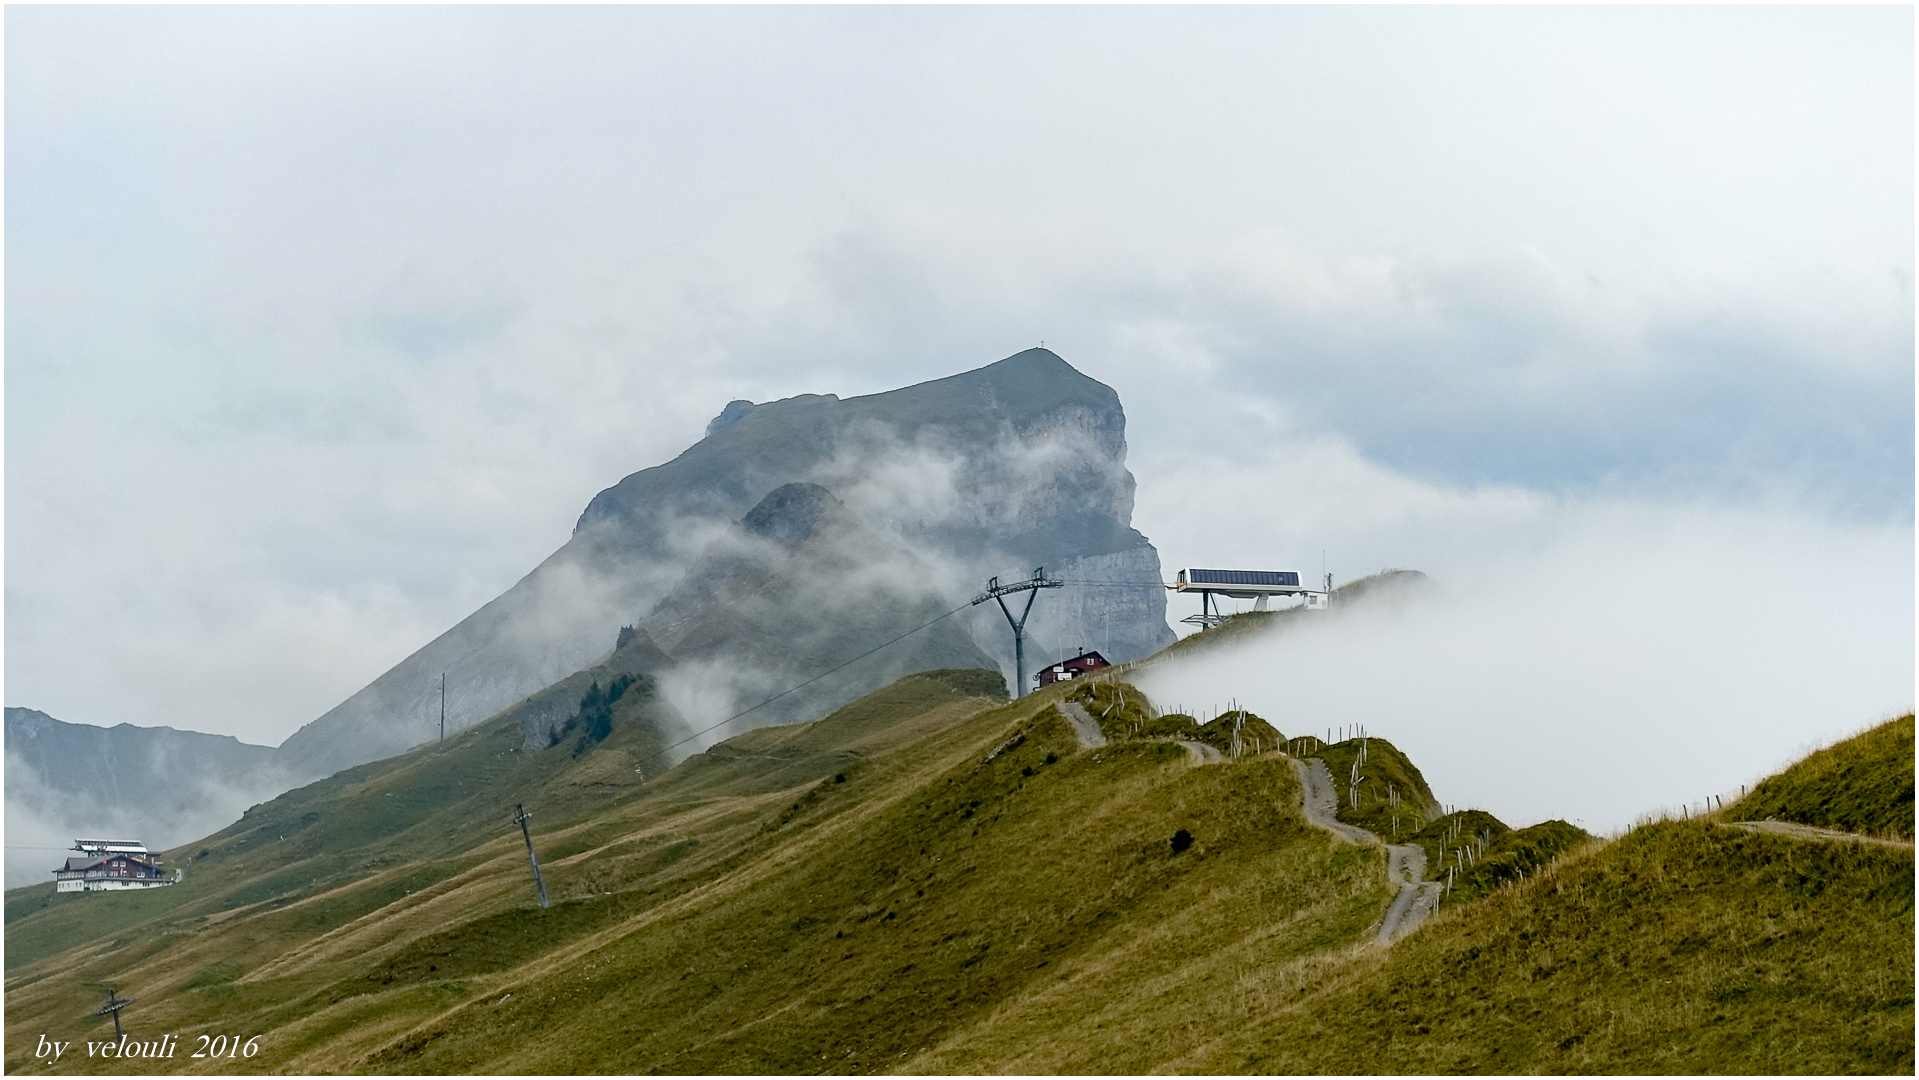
(113, 1006)
(520, 819)
(996, 591)
(442, 712)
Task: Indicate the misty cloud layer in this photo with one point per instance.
(44, 817)
(914, 527)
(1608, 660)
(323, 323)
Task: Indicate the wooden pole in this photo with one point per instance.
(113, 1006)
(521, 818)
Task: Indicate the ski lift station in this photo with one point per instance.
(1260, 586)
(110, 865)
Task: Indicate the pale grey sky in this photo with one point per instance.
(323, 324)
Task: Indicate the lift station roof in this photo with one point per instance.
(110, 847)
(1239, 583)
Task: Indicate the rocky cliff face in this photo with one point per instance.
(156, 785)
(796, 535)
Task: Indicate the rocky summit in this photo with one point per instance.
(795, 537)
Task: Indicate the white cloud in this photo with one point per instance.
(43, 819)
(324, 324)
(1598, 660)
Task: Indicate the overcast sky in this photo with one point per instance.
(323, 324)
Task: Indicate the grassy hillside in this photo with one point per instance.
(1861, 785)
(926, 907)
(1684, 947)
(1122, 713)
(827, 897)
(365, 834)
(933, 879)
(1394, 801)
(1492, 858)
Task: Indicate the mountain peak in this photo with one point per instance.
(1038, 358)
(734, 412)
(1017, 463)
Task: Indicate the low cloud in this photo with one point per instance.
(1605, 660)
(919, 531)
(43, 820)
(242, 485)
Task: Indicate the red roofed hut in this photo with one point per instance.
(1071, 669)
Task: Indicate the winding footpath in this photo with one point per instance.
(1085, 728)
(1202, 754)
(1417, 897)
(1813, 832)
(1320, 800)
(1406, 863)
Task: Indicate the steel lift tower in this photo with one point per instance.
(996, 591)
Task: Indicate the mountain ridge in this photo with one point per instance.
(1031, 455)
(160, 785)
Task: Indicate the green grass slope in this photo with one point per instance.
(1862, 785)
(933, 879)
(823, 898)
(398, 824)
(1394, 802)
(925, 904)
(1684, 947)
(1509, 856)
(1123, 713)
(355, 841)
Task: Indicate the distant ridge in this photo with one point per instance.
(160, 785)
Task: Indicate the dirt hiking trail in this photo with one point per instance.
(1813, 832)
(1202, 754)
(1085, 728)
(1406, 863)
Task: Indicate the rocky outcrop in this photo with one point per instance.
(888, 508)
(543, 713)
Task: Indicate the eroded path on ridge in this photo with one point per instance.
(1405, 863)
(1202, 754)
(1417, 897)
(1320, 800)
(1085, 728)
(1814, 832)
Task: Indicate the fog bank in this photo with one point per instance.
(1622, 658)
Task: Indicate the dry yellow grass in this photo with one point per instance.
(871, 894)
